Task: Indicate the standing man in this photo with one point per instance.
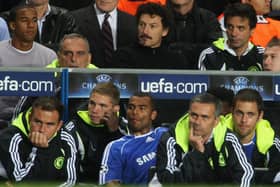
(37, 148)
(129, 159)
(149, 52)
(271, 56)
(260, 144)
(97, 125)
(236, 52)
(194, 30)
(200, 149)
(90, 22)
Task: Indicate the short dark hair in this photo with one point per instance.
(108, 89)
(243, 10)
(155, 9)
(274, 42)
(48, 104)
(224, 94)
(14, 11)
(249, 95)
(208, 98)
(143, 94)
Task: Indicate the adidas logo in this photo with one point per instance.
(149, 139)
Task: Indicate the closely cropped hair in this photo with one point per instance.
(224, 94)
(242, 10)
(208, 98)
(274, 42)
(13, 11)
(48, 104)
(108, 89)
(155, 9)
(141, 94)
(73, 36)
(249, 95)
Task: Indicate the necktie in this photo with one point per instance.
(107, 39)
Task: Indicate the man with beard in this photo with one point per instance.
(153, 25)
(236, 52)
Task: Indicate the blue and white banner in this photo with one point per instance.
(166, 86)
(263, 84)
(81, 84)
(27, 83)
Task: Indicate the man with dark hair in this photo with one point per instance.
(51, 23)
(225, 95)
(129, 159)
(97, 125)
(37, 148)
(259, 141)
(236, 52)
(21, 51)
(271, 56)
(200, 149)
(153, 25)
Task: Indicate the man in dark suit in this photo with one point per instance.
(89, 21)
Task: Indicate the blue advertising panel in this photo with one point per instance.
(276, 88)
(263, 84)
(166, 86)
(27, 83)
(81, 84)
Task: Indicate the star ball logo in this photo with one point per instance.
(240, 83)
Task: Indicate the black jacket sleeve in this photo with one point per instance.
(169, 159)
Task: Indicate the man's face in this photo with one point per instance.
(74, 53)
(99, 106)
(245, 117)
(45, 122)
(150, 30)
(202, 118)
(38, 2)
(106, 5)
(271, 59)
(25, 25)
(140, 114)
(261, 6)
(182, 7)
(238, 32)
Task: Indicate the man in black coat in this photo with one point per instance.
(89, 21)
(194, 30)
(150, 52)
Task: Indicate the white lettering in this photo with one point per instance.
(145, 158)
(162, 86)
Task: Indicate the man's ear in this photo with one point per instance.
(59, 125)
(12, 25)
(165, 32)
(154, 115)
(261, 115)
(116, 108)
